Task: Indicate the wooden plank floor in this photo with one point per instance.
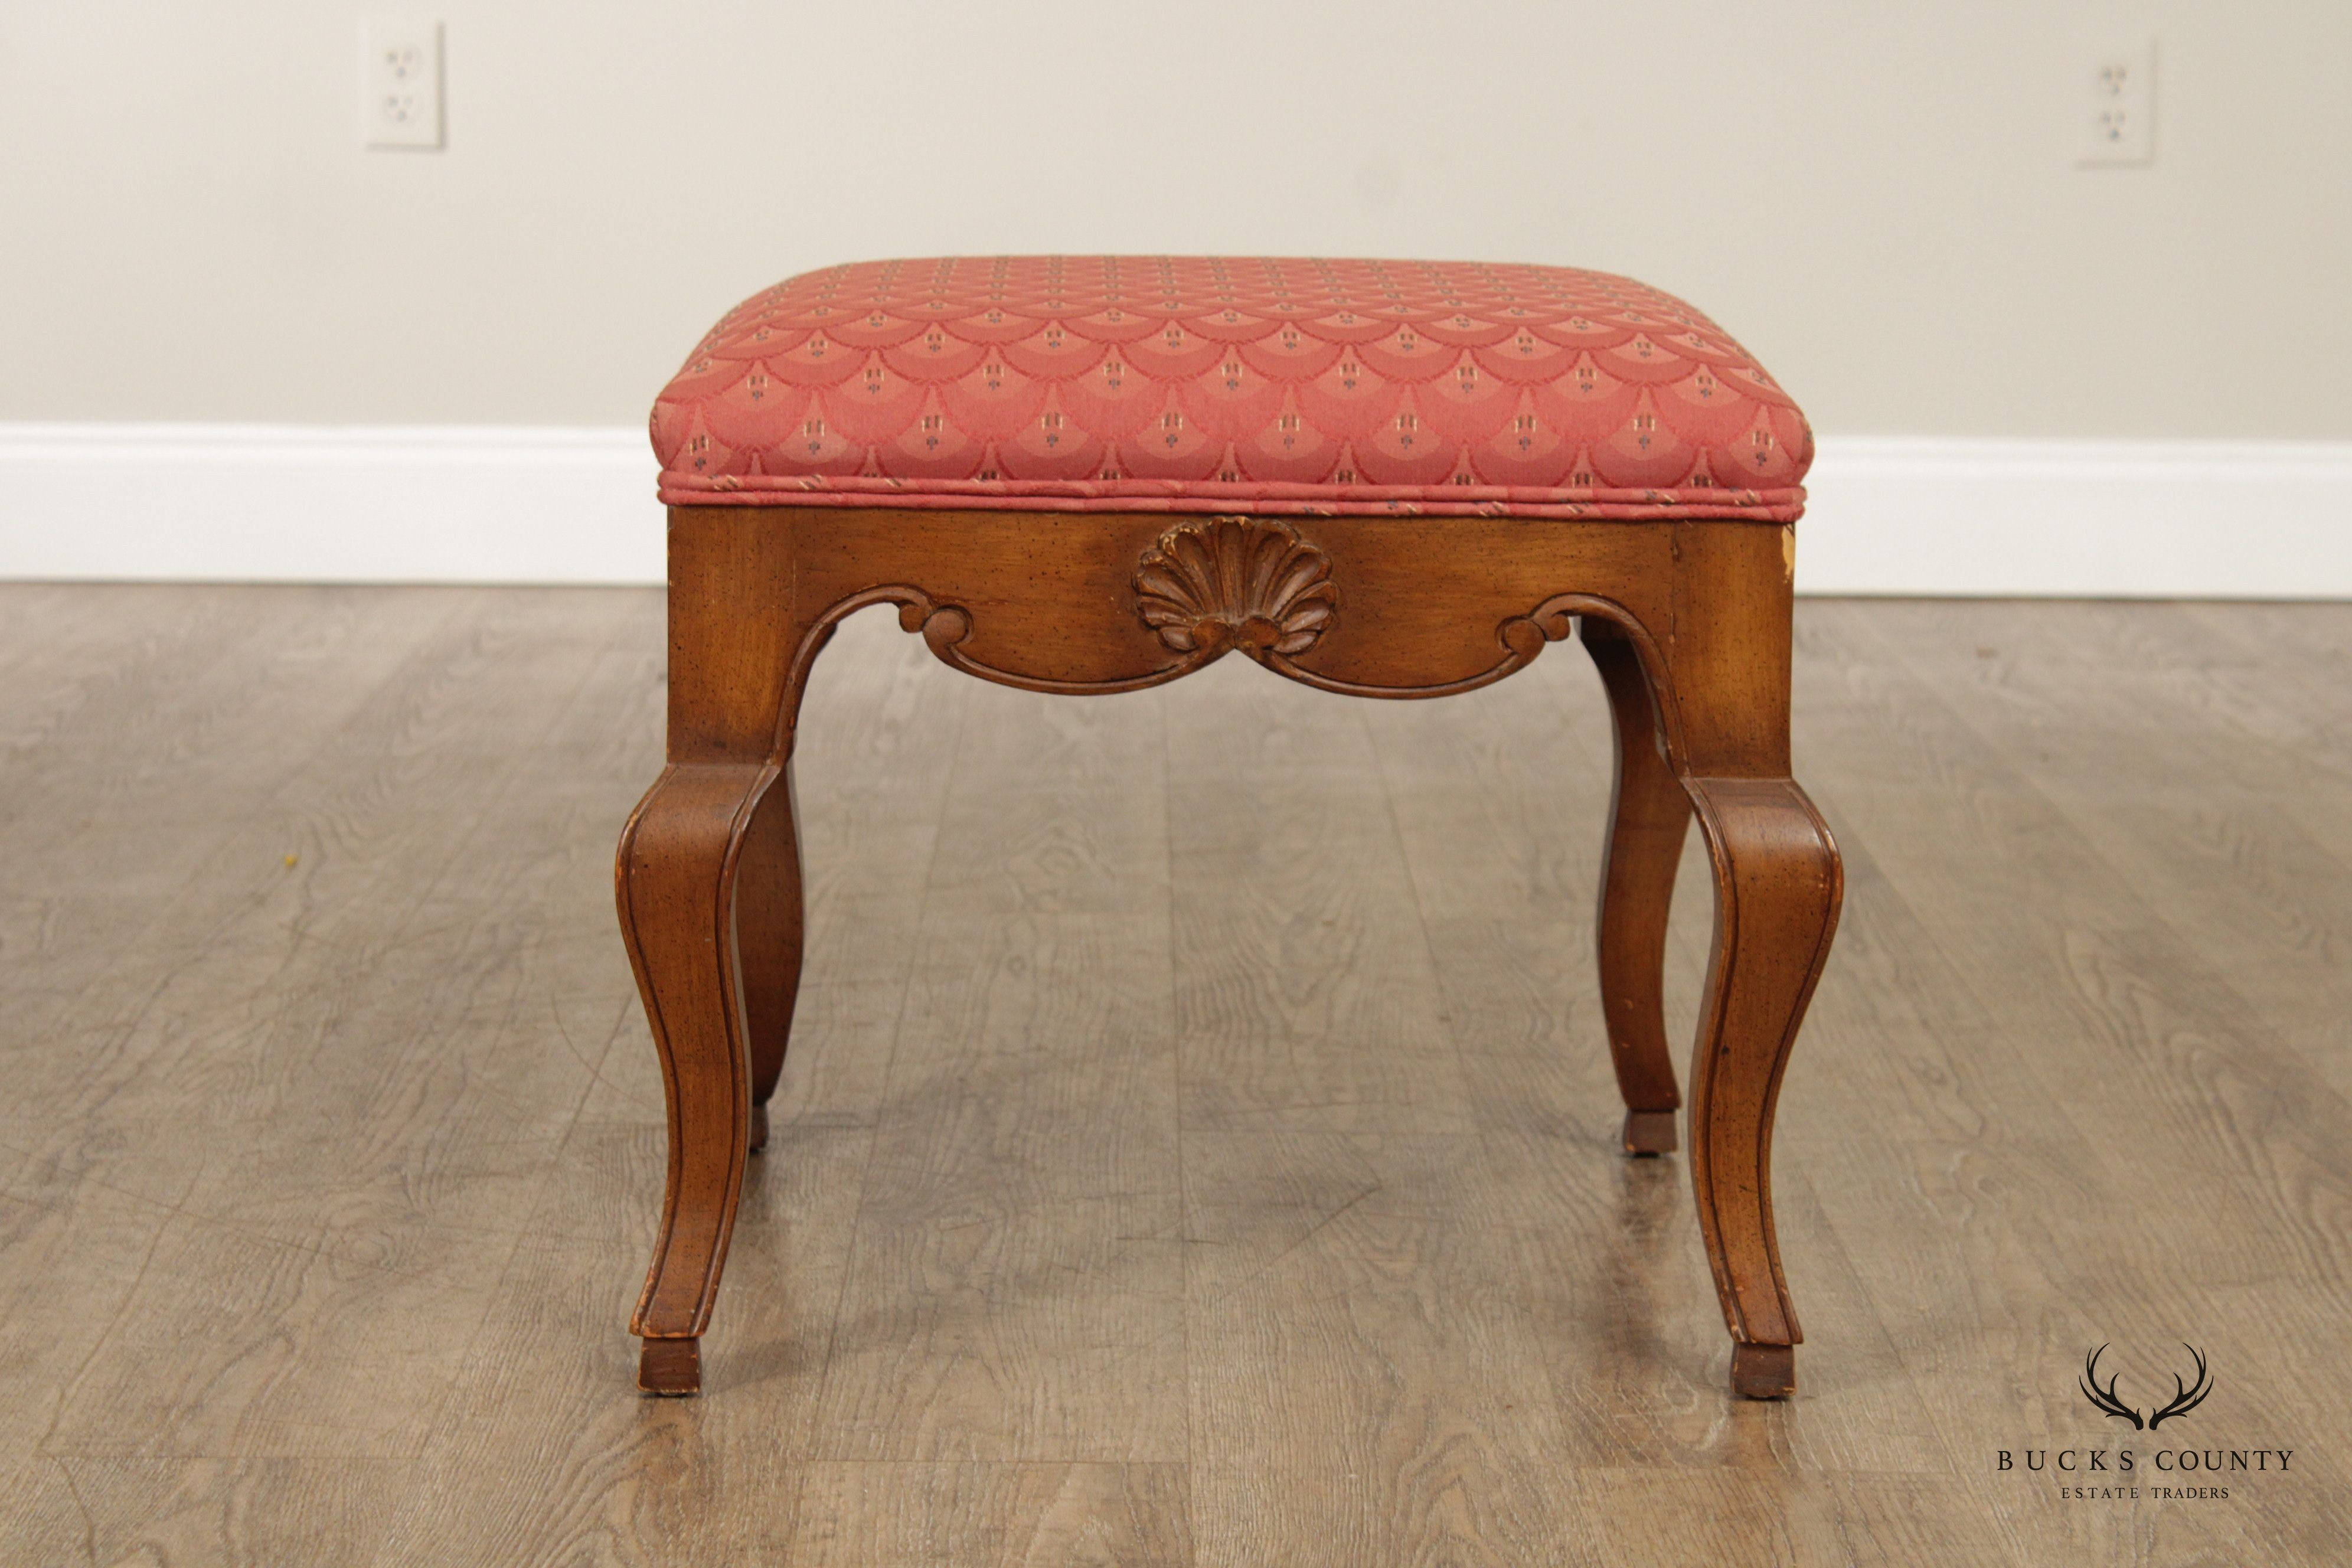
(1197, 1144)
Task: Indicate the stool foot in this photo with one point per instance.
(1649, 1132)
(1763, 1371)
(671, 1367)
(758, 1128)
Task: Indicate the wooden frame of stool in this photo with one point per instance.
(1688, 621)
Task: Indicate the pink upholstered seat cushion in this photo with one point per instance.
(1202, 383)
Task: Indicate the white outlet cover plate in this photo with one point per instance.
(400, 82)
(2114, 103)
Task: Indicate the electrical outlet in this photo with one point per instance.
(400, 83)
(2116, 113)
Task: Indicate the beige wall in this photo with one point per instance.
(1877, 196)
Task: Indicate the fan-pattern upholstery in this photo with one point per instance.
(1259, 384)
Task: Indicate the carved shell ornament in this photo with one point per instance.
(1235, 582)
(1212, 585)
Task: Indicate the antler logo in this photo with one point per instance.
(2185, 1397)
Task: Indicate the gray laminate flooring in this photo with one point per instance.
(1197, 1143)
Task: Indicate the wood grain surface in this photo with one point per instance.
(1199, 1143)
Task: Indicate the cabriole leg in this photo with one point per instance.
(1649, 814)
(1777, 883)
(675, 879)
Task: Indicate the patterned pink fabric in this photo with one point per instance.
(1199, 383)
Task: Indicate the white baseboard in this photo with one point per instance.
(1948, 515)
(434, 504)
(276, 503)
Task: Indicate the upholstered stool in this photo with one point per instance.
(1092, 474)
